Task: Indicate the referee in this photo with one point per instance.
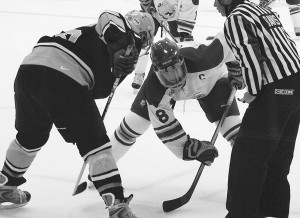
(263, 151)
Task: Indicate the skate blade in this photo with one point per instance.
(8, 205)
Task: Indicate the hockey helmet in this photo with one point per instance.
(167, 9)
(168, 63)
(142, 24)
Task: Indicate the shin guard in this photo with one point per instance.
(105, 175)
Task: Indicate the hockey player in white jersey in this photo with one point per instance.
(186, 71)
(294, 9)
(178, 17)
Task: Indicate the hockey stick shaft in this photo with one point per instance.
(82, 186)
(155, 15)
(173, 204)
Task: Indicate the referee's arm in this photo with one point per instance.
(241, 36)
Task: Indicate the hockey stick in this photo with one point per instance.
(82, 186)
(173, 204)
(155, 15)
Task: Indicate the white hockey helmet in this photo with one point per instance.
(142, 23)
(167, 10)
(168, 64)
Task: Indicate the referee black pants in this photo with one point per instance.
(263, 152)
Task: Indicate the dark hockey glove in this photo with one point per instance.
(235, 74)
(202, 151)
(122, 64)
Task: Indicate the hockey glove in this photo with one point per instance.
(124, 65)
(235, 74)
(202, 151)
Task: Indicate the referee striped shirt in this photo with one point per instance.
(259, 42)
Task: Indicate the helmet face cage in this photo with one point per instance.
(168, 63)
(147, 39)
(172, 76)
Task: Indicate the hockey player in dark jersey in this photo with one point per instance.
(186, 71)
(260, 161)
(178, 17)
(57, 83)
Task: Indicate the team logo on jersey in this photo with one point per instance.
(166, 10)
(171, 92)
(284, 91)
(142, 103)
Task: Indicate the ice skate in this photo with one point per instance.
(137, 81)
(11, 197)
(118, 210)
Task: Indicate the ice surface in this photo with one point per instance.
(149, 170)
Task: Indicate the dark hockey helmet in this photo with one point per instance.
(168, 63)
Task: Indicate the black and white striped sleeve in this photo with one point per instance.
(241, 36)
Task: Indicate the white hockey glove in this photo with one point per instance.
(202, 151)
(235, 75)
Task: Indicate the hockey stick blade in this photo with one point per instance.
(173, 204)
(80, 188)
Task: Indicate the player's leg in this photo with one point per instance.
(133, 125)
(79, 121)
(275, 199)
(214, 104)
(259, 138)
(95, 147)
(33, 126)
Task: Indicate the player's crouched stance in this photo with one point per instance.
(177, 74)
(57, 83)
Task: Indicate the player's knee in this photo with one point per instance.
(101, 162)
(101, 156)
(33, 141)
(131, 127)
